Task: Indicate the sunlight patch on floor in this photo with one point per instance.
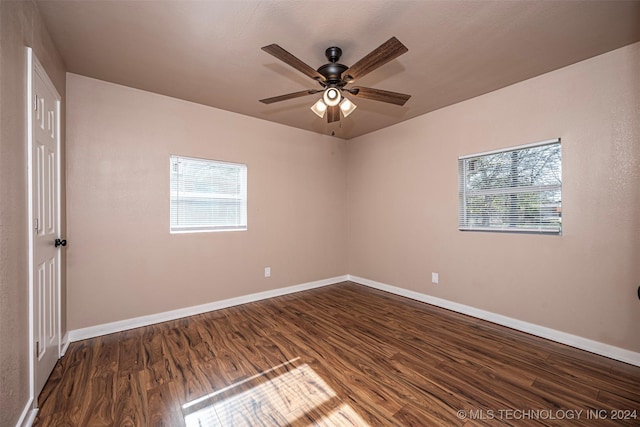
(342, 416)
(298, 396)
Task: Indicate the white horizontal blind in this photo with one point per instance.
(207, 195)
(515, 190)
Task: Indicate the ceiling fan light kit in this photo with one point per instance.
(331, 97)
(333, 77)
(347, 107)
(320, 108)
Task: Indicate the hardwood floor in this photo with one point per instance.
(341, 355)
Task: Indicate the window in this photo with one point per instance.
(207, 195)
(515, 190)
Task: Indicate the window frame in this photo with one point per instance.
(463, 222)
(242, 196)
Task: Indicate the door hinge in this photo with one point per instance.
(35, 224)
(37, 348)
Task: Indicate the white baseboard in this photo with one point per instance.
(64, 344)
(123, 325)
(28, 415)
(592, 346)
(582, 343)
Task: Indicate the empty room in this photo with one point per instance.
(332, 213)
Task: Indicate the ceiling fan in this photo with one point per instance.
(334, 77)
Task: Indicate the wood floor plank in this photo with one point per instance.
(341, 355)
(67, 418)
(99, 400)
(130, 356)
(411, 415)
(130, 406)
(69, 389)
(164, 406)
(106, 355)
(192, 383)
(596, 376)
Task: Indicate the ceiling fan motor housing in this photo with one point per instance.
(332, 71)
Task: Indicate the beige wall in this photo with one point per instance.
(20, 26)
(122, 260)
(403, 203)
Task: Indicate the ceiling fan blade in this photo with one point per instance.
(289, 59)
(384, 53)
(333, 114)
(289, 96)
(380, 95)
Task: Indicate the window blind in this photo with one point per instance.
(207, 195)
(514, 190)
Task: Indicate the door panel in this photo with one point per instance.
(45, 209)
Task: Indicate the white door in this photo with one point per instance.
(44, 145)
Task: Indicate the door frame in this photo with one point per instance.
(34, 67)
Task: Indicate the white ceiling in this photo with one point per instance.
(209, 51)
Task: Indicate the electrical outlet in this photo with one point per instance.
(267, 272)
(434, 278)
